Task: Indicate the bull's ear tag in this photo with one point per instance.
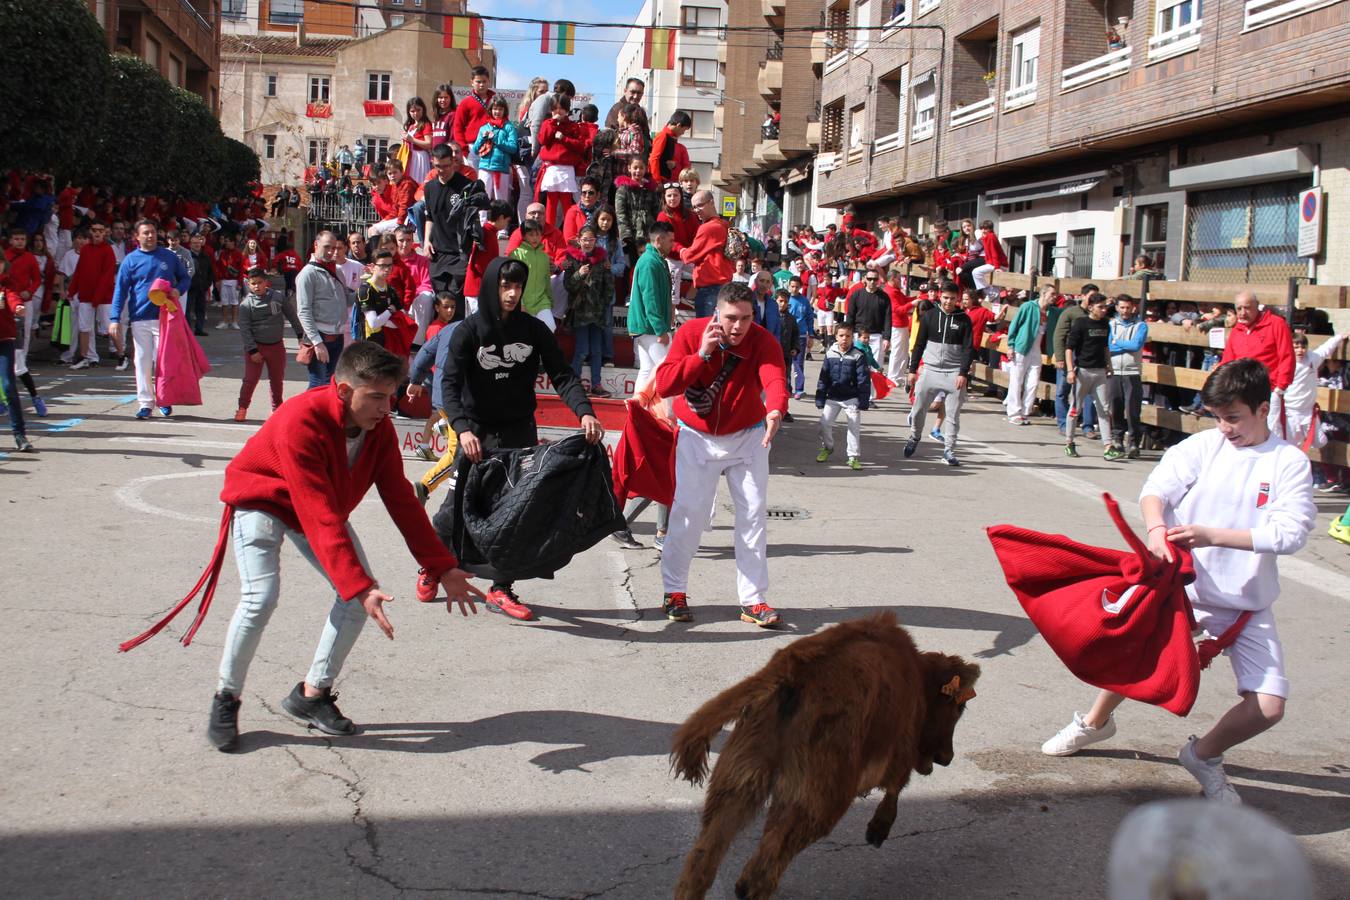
(952, 687)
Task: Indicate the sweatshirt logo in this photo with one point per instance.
(489, 359)
(1263, 495)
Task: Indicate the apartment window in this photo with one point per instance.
(892, 111)
(318, 151)
(175, 70)
(698, 72)
(269, 86)
(318, 89)
(377, 148)
(152, 49)
(1026, 51)
(234, 9)
(269, 146)
(926, 6)
(377, 85)
(1176, 28)
(395, 2)
(396, 21)
(862, 17)
(703, 124)
(832, 128)
(925, 107)
(857, 132)
(1151, 234)
(1017, 254)
(1080, 246)
(286, 12)
(700, 19)
(1246, 234)
(895, 12)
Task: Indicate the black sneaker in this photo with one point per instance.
(318, 712)
(950, 459)
(624, 538)
(910, 446)
(223, 729)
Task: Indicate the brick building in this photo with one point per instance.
(180, 38)
(770, 113)
(1091, 131)
(297, 92)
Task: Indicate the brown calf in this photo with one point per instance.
(831, 717)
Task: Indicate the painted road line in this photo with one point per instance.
(1291, 567)
(129, 495)
(178, 442)
(55, 427)
(119, 399)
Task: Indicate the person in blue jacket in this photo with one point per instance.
(799, 307)
(497, 147)
(139, 271)
(426, 367)
(845, 385)
(766, 309)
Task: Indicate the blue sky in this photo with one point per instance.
(591, 68)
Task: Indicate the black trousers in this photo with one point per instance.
(1127, 396)
(197, 308)
(447, 276)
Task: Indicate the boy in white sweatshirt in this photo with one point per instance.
(1236, 496)
(1301, 394)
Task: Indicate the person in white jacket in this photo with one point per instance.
(1301, 395)
(1237, 496)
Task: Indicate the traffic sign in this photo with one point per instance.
(1310, 222)
(729, 207)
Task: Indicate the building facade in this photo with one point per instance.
(1091, 131)
(695, 85)
(770, 115)
(326, 19)
(296, 99)
(179, 38)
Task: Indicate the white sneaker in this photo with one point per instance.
(1210, 774)
(123, 363)
(234, 325)
(1016, 420)
(222, 325)
(83, 364)
(1077, 735)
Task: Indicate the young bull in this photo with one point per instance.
(831, 717)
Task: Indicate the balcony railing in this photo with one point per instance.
(826, 162)
(775, 51)
(1020, 96)
(1175, 42)
(922, 130)
(972, 113)
(889, 142)
(192, 11)
(928, 6)
(1257, 13)
(836, 61)
(900, 18)
(1109, 65)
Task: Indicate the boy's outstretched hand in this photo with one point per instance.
(372, 600)
(458, 590)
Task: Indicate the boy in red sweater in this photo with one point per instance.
(471, 113)
(729, 385)
(300, 477)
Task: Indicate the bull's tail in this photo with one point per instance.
(693, 739)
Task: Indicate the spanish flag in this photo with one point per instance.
(462, 32)
(558, 37)
(658, 48)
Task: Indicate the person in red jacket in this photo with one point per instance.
(1263, 335)
(299, 478)
(902, 311)
(10, 307)
(669, 157)
(685, 224)
(729, 385)
(22, 286)
(92, 286)
(499, 218)
(563, 147)
(472, 113)
(707, 254)
(230, 268)
(392, 199)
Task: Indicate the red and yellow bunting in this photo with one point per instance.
(463, 33)
(658, 48)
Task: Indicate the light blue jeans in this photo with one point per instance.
(257, 550)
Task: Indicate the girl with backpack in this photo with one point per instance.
(495, 147)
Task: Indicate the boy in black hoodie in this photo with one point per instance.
(487, 384)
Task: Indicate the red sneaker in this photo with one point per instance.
(505, 601)
(676, 607)
(761, 614)
(427, 587)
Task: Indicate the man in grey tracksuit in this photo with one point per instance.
(945, 346)
(321, 304)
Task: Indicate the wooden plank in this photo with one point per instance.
(1110, 287)
(1333, 401)
(1016, 281)
(1176, 334)
(1174, 376)
(990, 375)
(1335, 452)
(1326, 296)
(1190, 292)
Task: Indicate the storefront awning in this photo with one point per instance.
(1056, 187)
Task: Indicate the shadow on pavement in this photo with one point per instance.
(982, 844)
(1011, 631)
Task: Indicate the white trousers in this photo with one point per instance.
(423, 311)
(1024, 377)
(145, 338)
(874, 341)
(700, 459)
(545, 316)
(827, 417)
(650, 354)
(384, 226)
(980, 275)
(76, 320)
(27, 323)
(899, 363)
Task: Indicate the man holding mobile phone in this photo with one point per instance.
(729, 385)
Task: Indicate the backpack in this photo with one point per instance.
(737, 245)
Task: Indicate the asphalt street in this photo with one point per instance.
(530, 760)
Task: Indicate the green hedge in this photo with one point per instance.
(70, 108)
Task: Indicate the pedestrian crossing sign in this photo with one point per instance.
(729, 207)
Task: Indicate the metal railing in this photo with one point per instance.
(1175, 42)
(1020, 96)
(971, 113)
(775, 51)
(192, 11)
(1257, 13)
